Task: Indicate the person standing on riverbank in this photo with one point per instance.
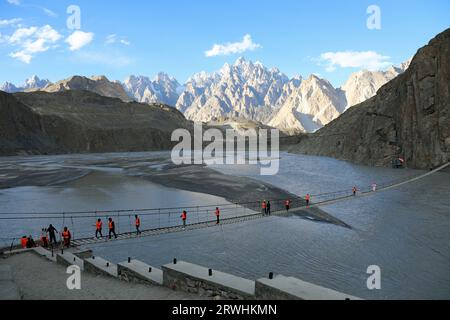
(112, 228)
(217, 215)
(137, 222)
(307, 198)
(268, 208)
(98, 228)
(184, 218)
(264, 207)
(354, 190)
(51, 232)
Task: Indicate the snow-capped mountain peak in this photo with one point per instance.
(162, 89)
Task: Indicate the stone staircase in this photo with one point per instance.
(182, 276)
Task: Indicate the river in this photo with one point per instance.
(404, 231)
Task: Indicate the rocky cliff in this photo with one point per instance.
(408, 117)
(82, 121)
(98, 84)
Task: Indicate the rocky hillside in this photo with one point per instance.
(408, 117)
(82, 121)
(97, 84)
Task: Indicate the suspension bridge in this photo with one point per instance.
(158, 221)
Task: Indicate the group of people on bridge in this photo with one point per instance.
(48, 235)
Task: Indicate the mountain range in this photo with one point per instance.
(244, 89)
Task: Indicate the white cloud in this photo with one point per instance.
(114, 38)
(22, 33)
(32, 40)
(369, 60)
(79, 39)
(108, 58)
(21, 56)
(125, 42)
(246, 44)
(4, 23)
(15, 2)
(49, 12)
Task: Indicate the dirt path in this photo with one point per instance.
(38, 278)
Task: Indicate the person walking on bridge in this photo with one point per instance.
(264, 207)
(66, 237)
(51, 232)
(287, 205)
(112, 228)
(98, 228)
(217, 215)
(307, 198)
(137, 222)
(268, 208)
(184, 218)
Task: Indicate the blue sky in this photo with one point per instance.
(118, 38)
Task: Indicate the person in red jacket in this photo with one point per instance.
(24, 242)
(217, 215)
(264, 207)
(112, 228)
(66, 237)
(137, 222)
(98, 228)
(307, 198)
(287, 204)
(184, 218)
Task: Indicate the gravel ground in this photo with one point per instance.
(40, 279)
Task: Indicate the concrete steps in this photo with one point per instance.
(100, 266)
(136, 270)
(181, 276)
(66, 258)
(197, 279)
(290, 288)
(49, 255)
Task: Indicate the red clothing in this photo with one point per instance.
(24, 242)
